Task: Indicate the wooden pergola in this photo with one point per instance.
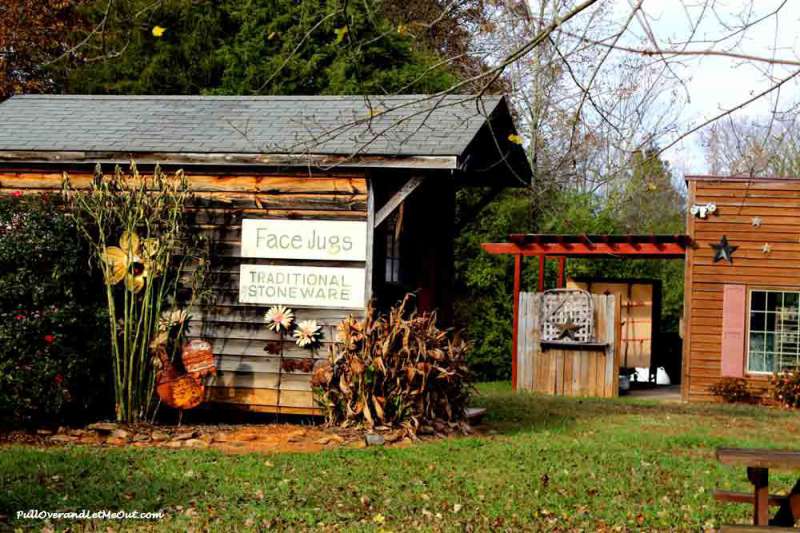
(561, 247)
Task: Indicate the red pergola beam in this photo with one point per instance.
(624, 249)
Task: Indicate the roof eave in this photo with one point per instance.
(324, 161)
(702, 177)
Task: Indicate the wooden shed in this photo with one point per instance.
(640, 314)
(567, 341)
(377, 175)
(742, 291)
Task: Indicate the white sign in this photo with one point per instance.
(335, 240)
(341, 288)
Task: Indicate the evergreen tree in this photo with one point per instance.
(255, 47)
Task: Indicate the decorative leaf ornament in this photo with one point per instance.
(340, 33)
(279, 318)
(307, 333)
(723, 250)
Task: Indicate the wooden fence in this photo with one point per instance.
(576, 370)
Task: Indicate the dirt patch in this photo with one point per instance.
(239, 438)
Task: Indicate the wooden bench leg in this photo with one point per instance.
(759, 477)
(789, 511)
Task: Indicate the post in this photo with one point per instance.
(759, 477)
(562, 265)
(515, 328)
(540, 285)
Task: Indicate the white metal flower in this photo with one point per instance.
(307, 333)
(279, 318)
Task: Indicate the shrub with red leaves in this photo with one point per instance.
(733, 390)
(786, 388)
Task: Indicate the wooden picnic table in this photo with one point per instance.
(758, 463)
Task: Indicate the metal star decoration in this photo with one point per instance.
(567, 330)
(757, 222)
(723, 250)
(766, 248)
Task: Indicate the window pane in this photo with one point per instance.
(757, 300)
(756, 342)
(756, 362)
(769, 362)
(791, 299)
(770, 326)
(773, 300)
(769, 342)
(757, 321)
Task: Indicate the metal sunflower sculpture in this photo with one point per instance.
(132, 261)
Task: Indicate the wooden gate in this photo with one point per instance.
(590, 369)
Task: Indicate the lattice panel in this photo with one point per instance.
(567, 316)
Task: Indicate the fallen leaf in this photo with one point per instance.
(340, 33)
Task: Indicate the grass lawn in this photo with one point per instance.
(547, 463)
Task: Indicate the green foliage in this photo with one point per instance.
(257, 47)
(646, 201)
(184, 60)
(484, 282)
(49, 316)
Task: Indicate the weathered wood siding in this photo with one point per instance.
(572, 371)
(777, 204)
(252, 361)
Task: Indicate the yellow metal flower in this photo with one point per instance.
(131, 261)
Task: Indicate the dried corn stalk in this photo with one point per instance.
(396, 370)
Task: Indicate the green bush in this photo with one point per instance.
(52, 339)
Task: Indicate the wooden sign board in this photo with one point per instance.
(334, 240)
(303, 286)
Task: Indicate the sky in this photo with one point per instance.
(714, 84)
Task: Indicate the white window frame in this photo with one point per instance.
(749, 311)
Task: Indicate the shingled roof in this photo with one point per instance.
(412, 125)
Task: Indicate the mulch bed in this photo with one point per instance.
(238, 438)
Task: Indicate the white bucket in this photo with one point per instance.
(642, 374)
